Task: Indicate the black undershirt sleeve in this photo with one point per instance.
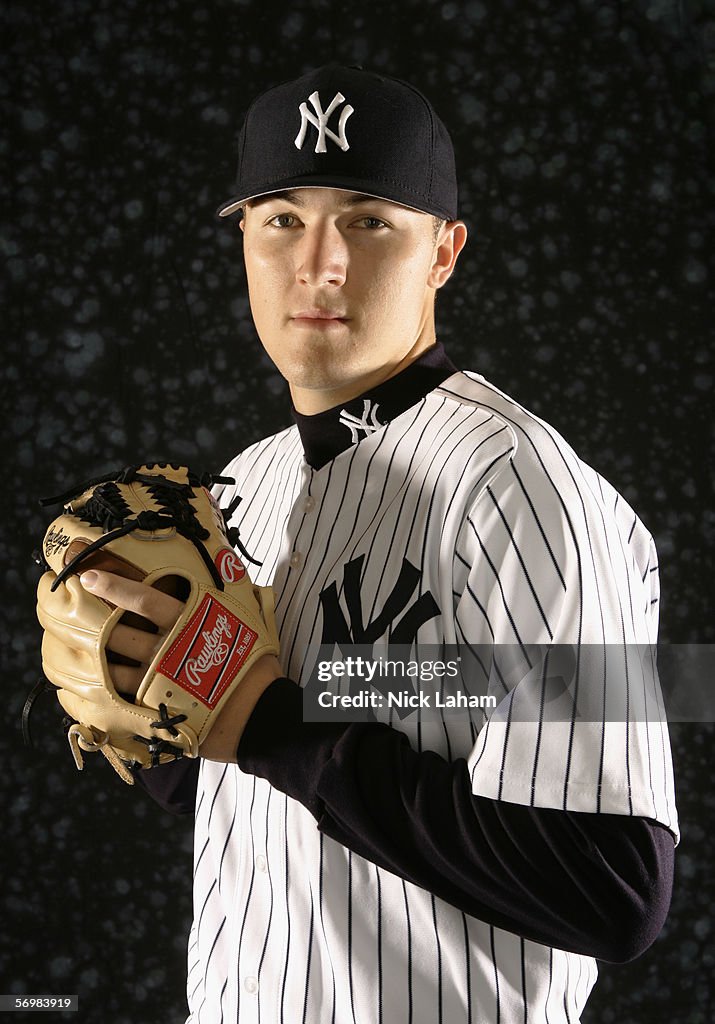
(595, 884)
(172, 786)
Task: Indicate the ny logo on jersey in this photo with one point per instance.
(336, 629)
(368, 422)
(320, 120)
(399, 620)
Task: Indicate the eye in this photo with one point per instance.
(373, 223)
(282, 220)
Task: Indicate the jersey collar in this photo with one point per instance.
(326, 434)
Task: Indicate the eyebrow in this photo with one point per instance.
(288, 196)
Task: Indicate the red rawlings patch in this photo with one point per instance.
(230, 567)
(208, 652)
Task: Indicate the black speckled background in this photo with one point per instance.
(583, 132)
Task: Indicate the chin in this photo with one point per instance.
(316, 374)
(312, 379)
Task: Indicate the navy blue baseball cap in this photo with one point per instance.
(343, 127)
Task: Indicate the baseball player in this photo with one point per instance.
(410, 869)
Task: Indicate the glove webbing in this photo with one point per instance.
(106, 507)
(144, 521)
(126, 476)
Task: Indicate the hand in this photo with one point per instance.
(140, 634)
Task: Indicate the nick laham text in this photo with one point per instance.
(404, 699)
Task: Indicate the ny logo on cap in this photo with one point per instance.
(321, 122)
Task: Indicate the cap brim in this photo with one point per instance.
(360, 187)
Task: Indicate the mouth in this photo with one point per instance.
(317, 317)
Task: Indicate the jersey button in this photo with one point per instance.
(250, 984)
(261, 862)
(309, 505)
(295, 559)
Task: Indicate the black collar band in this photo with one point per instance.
(326, 434)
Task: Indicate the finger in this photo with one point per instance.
(146, 601)
(126, 680)
(136, 644)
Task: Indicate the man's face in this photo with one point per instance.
(342, 288)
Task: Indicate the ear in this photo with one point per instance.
(449, 244)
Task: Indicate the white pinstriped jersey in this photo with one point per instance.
(518, 542)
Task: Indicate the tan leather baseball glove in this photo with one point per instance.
(149, 522)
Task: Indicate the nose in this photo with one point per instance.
(322, 256)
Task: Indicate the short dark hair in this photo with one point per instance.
(437, 223)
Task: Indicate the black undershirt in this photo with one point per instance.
(596, 884)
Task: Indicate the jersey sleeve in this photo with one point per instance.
(556, 579)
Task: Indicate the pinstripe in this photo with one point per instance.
(379, 944)
(216, 793)
(322, 920)
(250, 885)
(350, 934)
(492, 951)
(204, 906)
(287, 917)
(476, 603)
(550, 986)
(221, 998)
(409, 955)
(539, 525)
(499, 584)
(201, 853)
(208, 962)
(507, 738)
(539, 732)
(270, 908)
(307, 966)
(199, 800)
(660, 717)
(625, 659)
(602, 751)
(229, 835)
(568, 988)
(467, 969)
(439, 960)
(522, 563)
